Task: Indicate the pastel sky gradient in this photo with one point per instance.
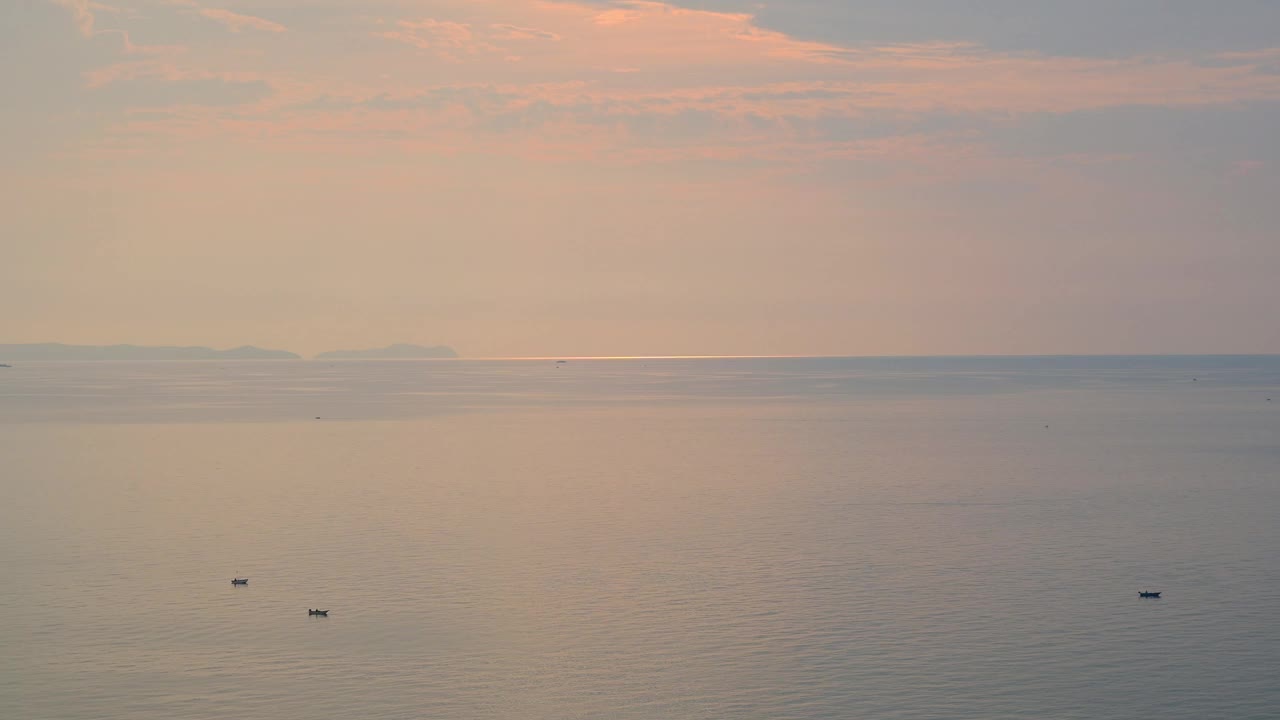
(579, 177)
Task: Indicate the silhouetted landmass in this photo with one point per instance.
(391, 352)
(58, 351)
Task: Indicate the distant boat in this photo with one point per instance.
(321, 613)
(3, 365)
(240, 581)
(561, 362)
(1148, 594)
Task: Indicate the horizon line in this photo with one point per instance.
(847, 357)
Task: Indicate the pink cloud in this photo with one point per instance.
(617, 16)
(650, 79)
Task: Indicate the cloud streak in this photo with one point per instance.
(237, 22)
(515, 32)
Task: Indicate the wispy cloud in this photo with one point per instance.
(446, 39)
(233, 21)
(515, 32)
(82, 14)
(238, 22)
(648, 79)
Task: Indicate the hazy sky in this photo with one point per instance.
(711, 177)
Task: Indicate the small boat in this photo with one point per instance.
(1148, 594)
(240, 581)
(321, 613)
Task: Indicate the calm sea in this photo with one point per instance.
(825, 538)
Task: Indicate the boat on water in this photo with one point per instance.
(1148, 594)
(240, 581)
(321, 613)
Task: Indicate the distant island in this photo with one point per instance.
(57, 351)
(392, 352)
(39, 352)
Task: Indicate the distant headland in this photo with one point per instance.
(399, 351)
(57, 351)
(40, 352)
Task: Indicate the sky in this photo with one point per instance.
(529, 178)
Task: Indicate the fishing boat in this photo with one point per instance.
(1148, 594)
(321, 613)
(240, 581)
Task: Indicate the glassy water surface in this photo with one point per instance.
(823, 538)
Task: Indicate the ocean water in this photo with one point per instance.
(712, 538)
